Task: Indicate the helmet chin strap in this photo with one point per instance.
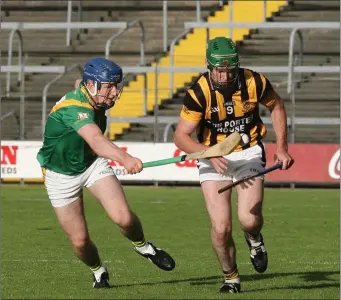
(104, 105)
(100, 105)
(92, 94)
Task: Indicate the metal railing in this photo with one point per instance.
(157, 70)
(142, 52)
(17, 27)
(16, 118)
(164, 19)
(264, 69)
(46, 88)
(142, 40)
(62, 25)
(295, 27)
(69, 19)
(21, 70)
(291, 80)
(21, 78)
(198, 9)
(9, 58)
(199, 18)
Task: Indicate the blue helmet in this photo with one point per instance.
(102, 70)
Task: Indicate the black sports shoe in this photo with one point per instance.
(103, 283)
(161, 258)
(258, 255)
(231, 288)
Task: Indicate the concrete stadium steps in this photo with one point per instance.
(309, 102)
(310, 47)
(304, 5)
(309, 134)
(318, 94)
(276, 41)
(127, 60)
(188, 52)
(49, 16)
(284, 34)
(48, 47)
(94, 40)
(152, 21)
(155, 4)
(308, 15)
(35, 84)
(102, 5)
(283, 60)
(33, 117)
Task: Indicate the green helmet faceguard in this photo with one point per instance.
(222, 62)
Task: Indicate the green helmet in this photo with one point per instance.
(221, 54)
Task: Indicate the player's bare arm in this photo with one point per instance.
(279, 122)
(103, 147)
(184, 141)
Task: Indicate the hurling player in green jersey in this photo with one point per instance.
(75, 155)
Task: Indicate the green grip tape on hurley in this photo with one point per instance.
(162, 162)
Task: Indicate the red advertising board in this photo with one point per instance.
(314, 163)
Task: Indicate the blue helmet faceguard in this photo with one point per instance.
(101, 70)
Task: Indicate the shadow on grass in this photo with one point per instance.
(306, 276)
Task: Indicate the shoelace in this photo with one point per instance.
(258, 249)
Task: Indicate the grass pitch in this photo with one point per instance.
(301, 233)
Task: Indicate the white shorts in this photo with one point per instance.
(64, 189)
(240, 164)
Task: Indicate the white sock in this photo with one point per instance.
(99, 272)
(235, 280)
(254, 242)
(146, 249)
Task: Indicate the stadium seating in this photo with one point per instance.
(317, 95)
(46, 47)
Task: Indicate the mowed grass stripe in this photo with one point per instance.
(301, 232)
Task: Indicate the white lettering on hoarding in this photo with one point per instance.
(334, 166)
(8, 160)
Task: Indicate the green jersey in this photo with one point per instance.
(64, 150)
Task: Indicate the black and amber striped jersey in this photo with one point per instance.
(218, 113)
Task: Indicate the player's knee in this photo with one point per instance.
(250, 222)
(221, 233)
(80, 241)
(125, 219)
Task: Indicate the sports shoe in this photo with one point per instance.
(159, 257)
(230, 287)
(103, 282)
(258, 255)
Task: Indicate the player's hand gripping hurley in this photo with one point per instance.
(224, 148)
(230, 186)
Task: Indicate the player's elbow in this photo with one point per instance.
(178, 138)
(278, 107)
